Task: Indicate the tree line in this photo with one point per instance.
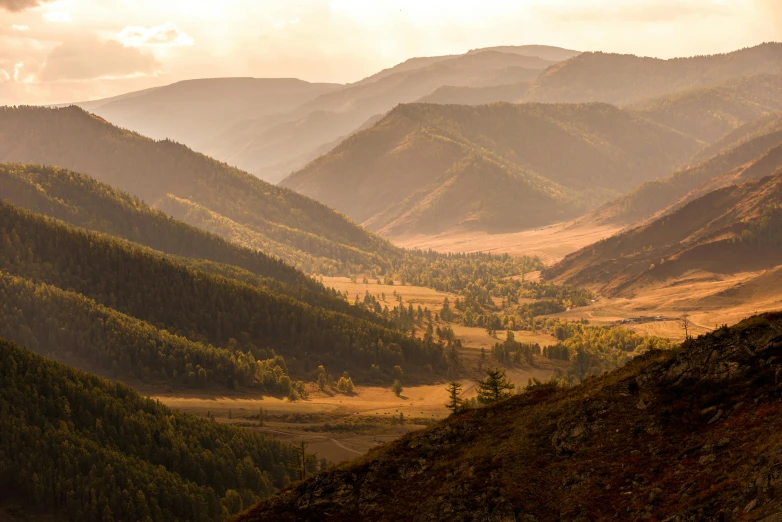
(196, 305)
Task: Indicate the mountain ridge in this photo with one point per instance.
(543, 162)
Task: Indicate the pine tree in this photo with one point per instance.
(495, 387)
(455, 403)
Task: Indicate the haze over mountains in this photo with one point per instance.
(272, 127)
(161, 263)
(497, 167)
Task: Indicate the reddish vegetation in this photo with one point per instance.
(691, 435)
(705, 234)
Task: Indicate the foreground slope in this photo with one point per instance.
(622, 79)
(686, 435)
(90, 449)
(730, 230)
(426, 167)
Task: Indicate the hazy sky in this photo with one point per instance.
(73, 50)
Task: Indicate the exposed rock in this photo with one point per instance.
(709, 452)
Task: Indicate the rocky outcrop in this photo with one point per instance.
(679, 436)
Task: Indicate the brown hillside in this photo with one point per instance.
(449, 95)
(272, 147)
(428, 167)
(287, 225)
(730, 230)
(755, 153)
(691, 435)
(193, 112)
(621, 79)
(708, 114)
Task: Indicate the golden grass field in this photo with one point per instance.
(710, 299)
(550, 243)
(422, 403)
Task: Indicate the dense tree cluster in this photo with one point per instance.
(70, 327)
(593, 349)
(511, 352)
(766, 231)
(81, 201)
(199, 306)
(477, 305)
(95, 450)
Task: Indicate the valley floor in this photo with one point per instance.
(710, 300)
(550, 243)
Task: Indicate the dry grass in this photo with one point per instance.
(550, 243)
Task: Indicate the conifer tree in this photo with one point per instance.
(455, 402)
(495, 387)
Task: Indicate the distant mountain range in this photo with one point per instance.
(192, 187)
(195, 112)
(621, 79)
(751, 152)
(271, 127)
(425, 168)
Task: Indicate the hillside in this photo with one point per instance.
(544, 52)
(622, 79)
(751, 152)
(193, 112)
(287, 225)
(84, 202)
(90, 449)
(197, 305)
(494, 167)
(710, 113)
(273, 147)
(448, 95)
(683, 435)
(730, 230)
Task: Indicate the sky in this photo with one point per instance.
(56, 51)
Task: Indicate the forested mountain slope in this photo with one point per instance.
(684, 435)
(426, 167)
(751, 152)
(449, 95)
(94, 450)
(622, 79)
(272, 147)
(287, 225)
(730, 230)
(202, 307)
(235, 205)
(710, 113)
(84, 202)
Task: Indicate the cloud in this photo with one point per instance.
(20, 5)
(20, 28)
(166, 35)
(91, 59)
